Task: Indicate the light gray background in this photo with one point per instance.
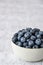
(15, 15)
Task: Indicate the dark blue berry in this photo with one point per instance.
(24, 44)
(23, 39)
(42, 40)
(28, 29)
(41, 32)
(20, 34)
(14, 39)
(19, 43)
(32, 37)
(28, 40)
(35, 46)
(41, 45)
(19, 37)
(28, 46)
(38, 36)
(23, 31)
(27, 35)
(33, 32)
(36, 33)
(30, 43)
(36, 30)
(38, 41)
(16, 34)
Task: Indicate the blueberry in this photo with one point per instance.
(24, 44)
(32, 37)
(16, 34)
(41, 45)
(19, 37)
(27, 35)
(23, 31)
(28, 40)
(36, 30)
(28, 29)
(28, 46)
(20, 34)
(14, 39)
(35, 46)
(36, 33)
(38, 36)
(16, 42)
(32, 31)
(38, 41)
(19, 43)
(23, 39)
(42, 40)
(30, 43)
(19, 31)
(41, 32)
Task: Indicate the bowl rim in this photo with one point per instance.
(27, 48)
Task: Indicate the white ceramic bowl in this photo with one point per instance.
(28, 54)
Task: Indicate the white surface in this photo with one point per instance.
(14, 15)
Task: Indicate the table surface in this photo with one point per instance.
(15, 15)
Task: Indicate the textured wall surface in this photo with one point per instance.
(14, 15)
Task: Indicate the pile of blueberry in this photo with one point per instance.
(29, 38)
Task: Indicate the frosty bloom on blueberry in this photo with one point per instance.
(28, 38)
